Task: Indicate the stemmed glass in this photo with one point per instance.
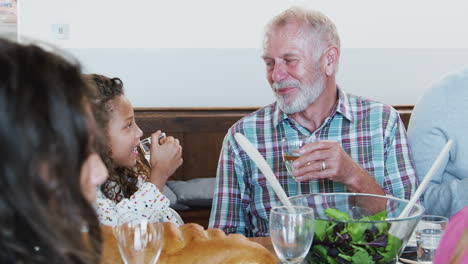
(291, 232)
(288, 144)
(140, 241)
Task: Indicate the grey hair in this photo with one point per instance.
(320, 25)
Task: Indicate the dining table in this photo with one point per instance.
(111, 254)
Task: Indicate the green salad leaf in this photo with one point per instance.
(362, 257)
(337, 214)
(320, 229)
(357, 230)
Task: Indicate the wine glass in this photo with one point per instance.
(288, 145)
(140, 241)
(291, 232)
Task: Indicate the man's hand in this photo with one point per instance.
(327, 160)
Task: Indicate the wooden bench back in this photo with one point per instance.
(201, 132)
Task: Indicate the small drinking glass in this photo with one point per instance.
(291, 232)
(288, 145)
(428, 234)
(145, 146)
(140, 241)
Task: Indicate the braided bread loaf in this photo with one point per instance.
(190, 243)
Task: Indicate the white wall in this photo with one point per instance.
(206, 53)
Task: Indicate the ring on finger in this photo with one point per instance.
(324, 166)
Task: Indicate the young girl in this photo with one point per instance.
(49, 170)
(132, 187)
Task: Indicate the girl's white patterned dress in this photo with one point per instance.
(148, 202)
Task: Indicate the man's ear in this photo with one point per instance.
(331, 58)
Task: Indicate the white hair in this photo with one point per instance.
(320, 26)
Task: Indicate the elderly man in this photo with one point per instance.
(361, 144)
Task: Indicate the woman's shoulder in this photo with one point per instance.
(460, 219)
(453, 235)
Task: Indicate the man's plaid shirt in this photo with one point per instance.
(371, 133)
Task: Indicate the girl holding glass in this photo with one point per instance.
(132, 186)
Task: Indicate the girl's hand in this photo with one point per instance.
(165, 159)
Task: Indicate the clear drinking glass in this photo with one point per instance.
(291, 232)
(428, 234)
(140, 241)
(145, 146)
(288, 144)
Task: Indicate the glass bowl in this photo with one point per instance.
(358, 228)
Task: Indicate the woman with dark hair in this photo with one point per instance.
(48, 166)
(133, 186)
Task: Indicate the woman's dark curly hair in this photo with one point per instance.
(46, 135)
(122, 182)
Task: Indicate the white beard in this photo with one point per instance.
(306, 95)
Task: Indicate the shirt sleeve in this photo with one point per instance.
(148, 202)
(400, 175)
(227, 211)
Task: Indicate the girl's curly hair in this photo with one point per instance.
(122, 181)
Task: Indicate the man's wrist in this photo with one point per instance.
(362, 182)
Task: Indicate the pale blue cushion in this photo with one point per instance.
(196, 192)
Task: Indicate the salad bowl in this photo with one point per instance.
(358, 228)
